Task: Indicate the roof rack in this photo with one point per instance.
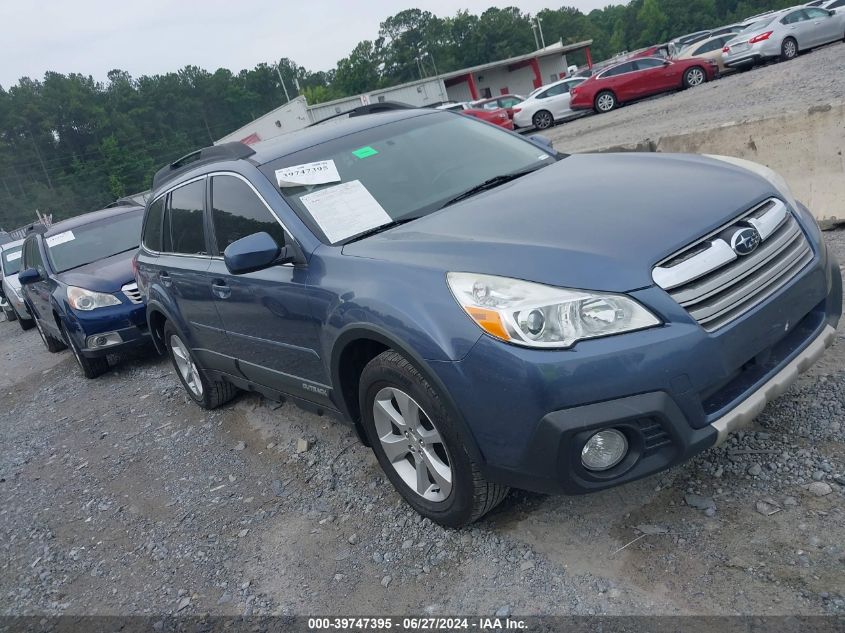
(370, 108)
(231, 151)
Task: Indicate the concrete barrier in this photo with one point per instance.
(805, 148)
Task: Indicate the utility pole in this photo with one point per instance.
(540, 28)
(284, 87)
(536, 41)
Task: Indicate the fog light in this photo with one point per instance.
(101, 340)
(604, 450)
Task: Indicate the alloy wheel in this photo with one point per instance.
(606, 102)
(695, 77)
(789, 49)
(412, 444)
(542, 120)
(186, 366)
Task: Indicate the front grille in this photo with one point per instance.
(132, 292)
(716, 286)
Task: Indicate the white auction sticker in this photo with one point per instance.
(345, 210)
(60, 238)
(318, 173)
(13, 256)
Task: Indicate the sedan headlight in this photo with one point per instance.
(82, 299)
(535, 315)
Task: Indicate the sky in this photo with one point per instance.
(156, 36)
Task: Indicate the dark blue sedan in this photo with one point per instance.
(485, 311)
(78, 285)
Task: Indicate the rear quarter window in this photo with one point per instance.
(152, 225)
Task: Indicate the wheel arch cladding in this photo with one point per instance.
(356, 347)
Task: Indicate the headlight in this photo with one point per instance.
(535, 315)
(82, 299)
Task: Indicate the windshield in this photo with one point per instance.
(95, 241)
(399, 170)
(12, 260)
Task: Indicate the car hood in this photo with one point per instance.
(592, 221)
(104, 275)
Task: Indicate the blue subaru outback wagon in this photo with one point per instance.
(485, 311)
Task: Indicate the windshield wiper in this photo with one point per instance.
(383, 227)
(490, 183)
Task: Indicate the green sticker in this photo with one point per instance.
(365, 151)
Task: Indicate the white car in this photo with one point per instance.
(546, 105)
(10, 263)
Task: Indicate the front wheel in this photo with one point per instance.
(11, 315)
(543, 120)
(694, 76)
(206, 392)
(605, 102)
(789, 49)
(417, 444)
(26, 324)
(52, 344)
(91, 367)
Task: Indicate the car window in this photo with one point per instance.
(709, 46)
(573, 84)
(32, 255)
(237, 211)
(490, 105)
(794, 17)
(509, 102)
(12, 260)
(816, 13)
(645, 64)
(618, 70)
(152, 225)
(186, 213)
(94, 241)
(837, 4)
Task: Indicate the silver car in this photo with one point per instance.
(783, 35)
(10, 263)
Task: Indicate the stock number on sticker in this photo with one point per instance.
(342, 624)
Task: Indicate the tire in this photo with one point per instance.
(543, 120)
(605, 102)
(52, 344)
(11, 315)
(694, 76)
(26, 324)
(430, 441)
(788, 49)
(207, 393)
(91, 367)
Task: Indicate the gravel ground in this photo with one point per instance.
(812, 80)
(119, 496)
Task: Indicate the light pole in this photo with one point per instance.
(284, 87)
(540, 28)
(536, 41)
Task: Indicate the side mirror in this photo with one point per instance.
(254, 252)
(29, 276)
(543, 142)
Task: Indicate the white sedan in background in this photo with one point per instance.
(546, 105)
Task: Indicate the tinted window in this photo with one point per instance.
(238, 212)
(837, 4)
(32, 255)
(12, 260)
(622, 68)
(94, 241)
(152, 226)
(187, 227)
(645, 64)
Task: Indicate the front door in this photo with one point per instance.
(266, 314)
(39, 292)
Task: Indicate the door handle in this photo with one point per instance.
(165, 279)
(220, 289)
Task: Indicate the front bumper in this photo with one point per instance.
(673, 390)
(124, 326)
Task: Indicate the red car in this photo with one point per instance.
(639, 78)
(507, 102)
(499, 116)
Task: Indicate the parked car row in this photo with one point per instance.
(464, 297)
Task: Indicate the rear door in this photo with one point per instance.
(182, 270)
(266, 314)
(799, 26)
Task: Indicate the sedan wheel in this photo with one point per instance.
(412, 444)
(694, 77)
(789, 49)
(543, 120)
(186, 366)
(605, 102)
